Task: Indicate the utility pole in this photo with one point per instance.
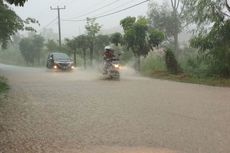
(59, 21)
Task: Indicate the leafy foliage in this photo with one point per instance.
(3, 84)
(135, 34)
(139, 38)
(155, 37)
(51, 45)
(82, 43)
(17, 2)
(92, 29)
(153, 62)
(213, 41)
(31, 48)
(116, 38)
(204, 12)
(10, 23)
(100, 43)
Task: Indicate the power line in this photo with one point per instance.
(51, 22)
(93, 11)
(92, 4)
(105, 15)
(123, 4)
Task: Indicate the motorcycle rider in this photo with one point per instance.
(108, 56)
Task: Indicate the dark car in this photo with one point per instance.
(59, 61)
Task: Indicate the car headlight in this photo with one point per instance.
(55, 67)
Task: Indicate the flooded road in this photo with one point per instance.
(80, 112)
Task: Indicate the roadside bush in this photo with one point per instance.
(220, 63)
(193, 63)
(152, 63)
(3, 84)
(171, 62)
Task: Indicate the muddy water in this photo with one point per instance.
(81, 112)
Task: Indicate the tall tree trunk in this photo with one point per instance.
(84, 58)
(91, 54)
(139, 63)
(176, 43)
(75, 57)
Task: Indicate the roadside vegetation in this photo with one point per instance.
(3, 85)
(151, 43)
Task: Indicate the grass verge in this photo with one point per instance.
(3, 85)
(191, 79)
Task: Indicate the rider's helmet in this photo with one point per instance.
(108, 48)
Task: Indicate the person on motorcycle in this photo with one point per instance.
(108, 56)
(108, 53)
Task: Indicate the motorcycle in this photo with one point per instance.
(112, 68)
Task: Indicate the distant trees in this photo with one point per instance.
(82, 43)
(72, 45)
(116, 38)
(31, 48)
(51, 45)
(168, 19)
(92, 28)
(100, 42)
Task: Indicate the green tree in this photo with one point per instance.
(51, 45)
(100, 43)
(38, 45)
(11, 23)
(116, 38)
(72, 44)
(213, 39)
(156, 37)
(25, 47)
(135, 36)
(82, 43)
(17, 2)
(31, 48)
(92, 29)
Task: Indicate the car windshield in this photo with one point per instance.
(60, 56)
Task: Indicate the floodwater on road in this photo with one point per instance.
(81, 112)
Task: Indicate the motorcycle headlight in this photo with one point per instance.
(116, 65)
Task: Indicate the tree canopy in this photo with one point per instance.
(139, 37)
(213, 39)
(17, 2)
(31, 48)
(168, 18)
(11, 23)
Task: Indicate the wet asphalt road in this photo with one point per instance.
(80, 112)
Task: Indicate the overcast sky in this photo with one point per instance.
(40, 9)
